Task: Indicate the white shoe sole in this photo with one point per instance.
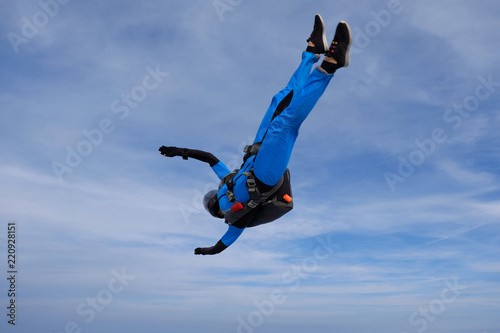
(347, 55)
(325, 40)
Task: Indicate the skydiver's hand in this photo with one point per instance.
(170, 151)
(202, 250)
(217, 248)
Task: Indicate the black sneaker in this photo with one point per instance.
(318, 36)
(339, 48)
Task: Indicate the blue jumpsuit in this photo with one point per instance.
(277, 136)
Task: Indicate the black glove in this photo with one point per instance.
(170, 151)
(201, 250)
(217, 248)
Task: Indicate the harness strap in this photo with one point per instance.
(256, 198)
(228, 180)
(252, 149)
(231, 216)
(254, 192)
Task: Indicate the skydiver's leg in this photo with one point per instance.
(295, 84)
(317, 45)
(274, 154)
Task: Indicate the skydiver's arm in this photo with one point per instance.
(219, 168)
(233, 232)
(229, 237)
(186, 153)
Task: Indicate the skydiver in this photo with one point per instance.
(260, 192)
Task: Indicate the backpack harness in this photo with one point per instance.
(238, 210)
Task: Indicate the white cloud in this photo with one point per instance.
(460, 173)
(121, 207)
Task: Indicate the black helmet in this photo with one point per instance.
(211, 204)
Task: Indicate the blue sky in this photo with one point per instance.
(395, 172)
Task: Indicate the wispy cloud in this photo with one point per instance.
(126, 207)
